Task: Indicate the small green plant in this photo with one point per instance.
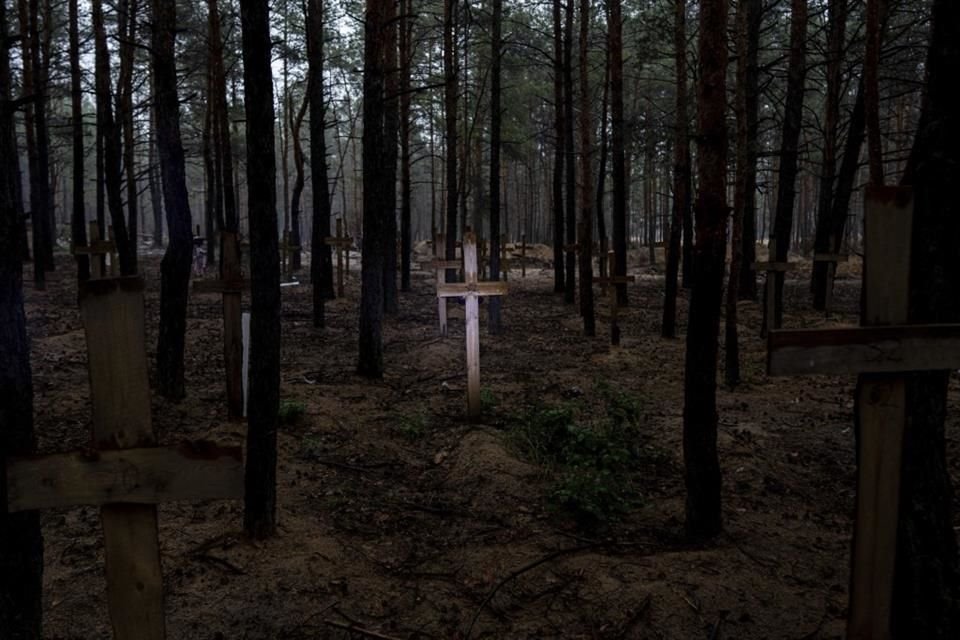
(291, 411)
(624, 409)
(412, 427)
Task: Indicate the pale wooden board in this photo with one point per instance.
(457, 290)
(888, 233)
(147, 475)
(472, 319)
(232, 329)
(852, 350)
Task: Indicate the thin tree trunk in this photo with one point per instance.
(376, 175)
(450, 11)
(21, 545)
(321, 263)
(298, 181)
(871, 79)
(559, 274)
(701, 464)
(570, 280)
(78, 217)
(175, 266)
(260, 498)
(585, 228)
(156, 199)
(127, 26)
(681, 178)
(391, 124)
(37, 189)
(749, 52)
(406, 53)
(789, 152)
(621, 190)
(222, 136)
(495, 320)
(602, 171)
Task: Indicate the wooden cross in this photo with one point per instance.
(98, 250)
(772, 268)
(342, 244)
(611, 290)
(882, 352)
(231, 284)
(287, 249)
(124, 472)
(440, 266)
(505, 261)
(831, 259)
(472, 290)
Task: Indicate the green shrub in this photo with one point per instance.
(291, 411)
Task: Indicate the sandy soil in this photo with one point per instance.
(400, 516)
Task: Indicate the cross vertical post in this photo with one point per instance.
(881, 351)
(342, 244)
(523, 255)
(609, 283)
(472, 290)
(772, 268)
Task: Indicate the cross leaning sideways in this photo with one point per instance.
(231, 284)
(125, 473)
(342, 244)
(472, 290)
(611, 290)
(881, 352)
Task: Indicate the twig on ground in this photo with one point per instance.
(353, 628)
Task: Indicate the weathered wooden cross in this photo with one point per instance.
(831, 259)
(440, 266)
(124, 472)
(231, 284)
(608, 282)
(342, 245)
(881, 352)
(505, 261)
(472, 290)
(772, 268)
(98, 250)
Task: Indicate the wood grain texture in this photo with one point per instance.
(148, 475)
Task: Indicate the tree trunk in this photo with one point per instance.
(298, 182)
(221, 134)
(559, 273)
(28, 86)
(749, 52)
(495, 320)
(127, 26)
(78, 217)
(823, 243)
(321, 263)
(156, 199)
(789, 152)
(175, 267)
(21, 545)
(701, 465)
(376, 175)
(602, 171)
(570, 279)
(391, 124)
(260, 498)
(110, 134)
(406, 53)
(745, 183)
(871, 80)
(585, 230)
(681, 177)
(450, 11)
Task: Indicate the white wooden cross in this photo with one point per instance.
(472, 290)
(231, 285)
(440, 266)
(881, 352)
(342, 244)
(124, 472)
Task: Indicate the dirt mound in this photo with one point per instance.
(487, 472)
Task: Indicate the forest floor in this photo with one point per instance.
(558, 515)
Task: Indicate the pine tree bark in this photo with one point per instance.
(21, 545)
(296, 125)
(260, 498)
(871, 79)
(153, 178)
(618, 148)
(570, 279)
(495, 324)
(789, 152)
(175, 266)
(745, 183)
(78, 216)
(376, 175)
(748, 53)
(38, 187)
(221, 137)
(926, 599)
(406, 53)
(701, 464)
(321, 264)
(585, 230)
(681, 177)
(391, 126)
(450, 17)
(127, 26)
(559, 274)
